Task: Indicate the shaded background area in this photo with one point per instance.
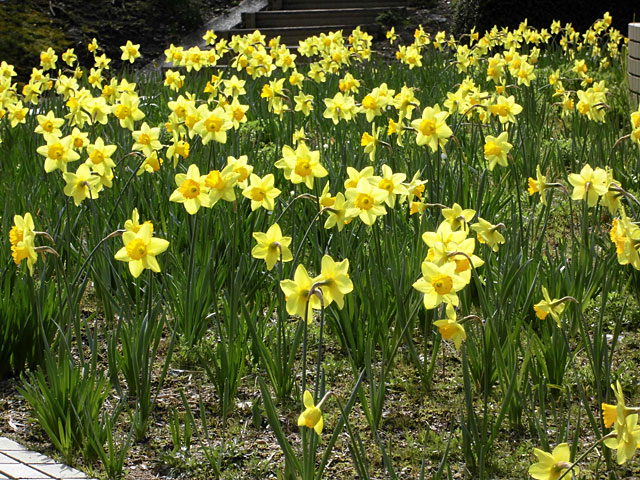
(29, 26)
(484, 14)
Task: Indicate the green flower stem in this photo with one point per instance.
(318, 293)
(126, 185)
(306, 234)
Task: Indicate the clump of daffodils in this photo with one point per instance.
(22, 238)
(447, 269)
(305, 293)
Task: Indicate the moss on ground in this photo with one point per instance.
(31, 26)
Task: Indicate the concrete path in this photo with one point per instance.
(18, 463)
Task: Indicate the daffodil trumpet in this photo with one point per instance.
(311, 417)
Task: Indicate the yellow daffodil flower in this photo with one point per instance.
(370, 141)
(334, 280)
(338, 213)
(496, 150)
(488, 233)
(439, 284)
(25, 250)
(100, 156)
(48, 59)
(17, 113)
(589, 184)
(98, 110)
(127, 111)
(311, 417)
(133, 224)
(296, 79)
(297, 294)
(405, 102)
(340, 107)
(272, 246)
(261, 191)
(627, 438)
(69, 57)
(450, 329)
(174, 80)
(179, 148)
(22, 226)
(221, 185)
(538, 185)
(213, 125)
(130, 52)
(146, 140)
(626, 237)
(151, 164)
(391, 35)
(140, 250)
(301, 165)
(458, 217)
(374, 102)
(192, 190)
(237, 112)
(616, 413)
(304, 103)
(591, 104)
(49, 124)
(366, 201)
(391, 183)
(354, 176)
(551, 465)
(58, 152)
(432, 129)
(548, 306)
(506, 109)
(242, 168)
(82, 184)
(349, 84)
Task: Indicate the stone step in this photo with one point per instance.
(18, 463)
(292, 35)
(310, 18)
(335, 4)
